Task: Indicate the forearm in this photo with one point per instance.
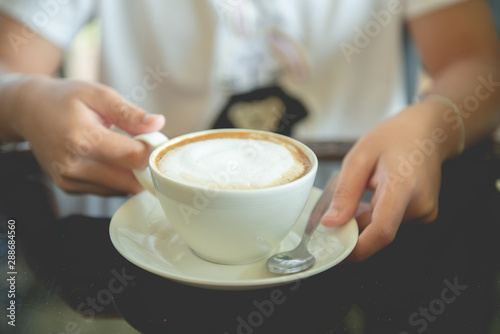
(473, 85)
(20, 94)
(460, 49)
(11, 86)
(38, 57)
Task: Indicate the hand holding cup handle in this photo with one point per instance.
(154, 139)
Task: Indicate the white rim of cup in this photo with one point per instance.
(309, 152)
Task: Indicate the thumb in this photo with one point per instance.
(350, 188)
(116, 110)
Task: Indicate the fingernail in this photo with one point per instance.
(148, 118)
(333, 212)
(330, 216)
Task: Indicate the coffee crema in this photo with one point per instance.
(234, 160)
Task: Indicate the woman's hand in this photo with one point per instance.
(69, 124)
(401, 161)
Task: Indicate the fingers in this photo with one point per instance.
(380, 229)
(364, 220)
(352, 182)
(114, 109)
(71, 138)
(363, 207)
(101, 157)
(91, 137)
(82, 187)
(379, 222)
(423, 209)
(91, 141)
(98, 178)
(122, 151)
(109, 176)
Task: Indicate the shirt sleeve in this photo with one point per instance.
(56, 20)
(415, 8)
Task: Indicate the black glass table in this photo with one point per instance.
(442, 277)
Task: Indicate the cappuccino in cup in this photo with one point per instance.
(231, 195)
(234, 160)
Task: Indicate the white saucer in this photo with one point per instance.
(141, 234)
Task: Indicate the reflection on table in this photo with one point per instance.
(436, 278)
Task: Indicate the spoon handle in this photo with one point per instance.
(321, 205)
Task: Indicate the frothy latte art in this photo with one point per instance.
(234, 160)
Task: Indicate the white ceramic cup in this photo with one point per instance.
(227, 226)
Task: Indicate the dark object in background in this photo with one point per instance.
(268, 109)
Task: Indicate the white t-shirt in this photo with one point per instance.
(344, 60)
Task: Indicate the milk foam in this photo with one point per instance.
(232, 163)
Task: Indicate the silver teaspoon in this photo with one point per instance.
(300, 258)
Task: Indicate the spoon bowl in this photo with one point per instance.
(290, 262)
(299, 258)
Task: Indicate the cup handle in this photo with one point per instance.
(154, 139)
